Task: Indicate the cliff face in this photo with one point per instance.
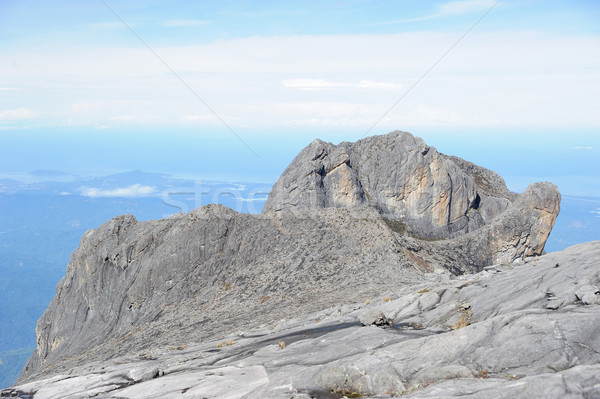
(432, 195)
(437, 196)
(133, 284)
(342, 224)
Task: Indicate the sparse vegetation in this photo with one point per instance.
(229, 342)
(429, 239)
(219, 345)
(424, 290)
(428, 383)
(281, 344)
(387, 299)
(264, 298)
(347, 393)
(463, 321)
(420, 262)
(396, 225)
(482, 374)
(367, 302)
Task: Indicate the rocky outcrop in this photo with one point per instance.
(133, 284)
(522, 330)
(343, 224)
(433, 195)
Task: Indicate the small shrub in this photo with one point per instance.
(347, 393)
(281, 344)
(219, 345)
(396, 226)
(229, 342)
(482, 374)
(462, 322)
(387, 299)
(264, 298)
(428, 383)
(424, 290)
(368, 301)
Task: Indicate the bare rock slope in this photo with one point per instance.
(390, 213)
(426, 193)
(528, 330)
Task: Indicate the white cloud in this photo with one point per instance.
(596, 212)
(136, 190)
(356, 114)
(254, 199)
(10, 89)
(14, 114)
(82, 106)
(464, 7)
(427, 116)
(576, 224)
(320, 84)
(133, 118)
(449, 9)
(492, 79)
(195, 118)
(582, 148)
(179, 23)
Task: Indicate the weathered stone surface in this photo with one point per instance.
(511, 347)
(134, 284)
(236, 305)
(426, 193)
(373, 317)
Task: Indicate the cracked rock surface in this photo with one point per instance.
(511, 345)
(423, 193)
(383, 232)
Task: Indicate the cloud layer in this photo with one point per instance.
(135, 190)
(527, 79)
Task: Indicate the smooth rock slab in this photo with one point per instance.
(225, 382)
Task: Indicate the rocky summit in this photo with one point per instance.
(420, 191)
(377, 268)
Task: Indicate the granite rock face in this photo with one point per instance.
(374, 219)
(490, 334)
(131, 284)
(434, 196)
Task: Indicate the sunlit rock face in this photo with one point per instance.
(435, 196)
(343, 223)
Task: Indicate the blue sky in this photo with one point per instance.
(512, 85)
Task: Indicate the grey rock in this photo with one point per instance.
(374, 317)
(588, 294)
(423, 193)
(513, 347)
(386, 217)
(115, 297)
